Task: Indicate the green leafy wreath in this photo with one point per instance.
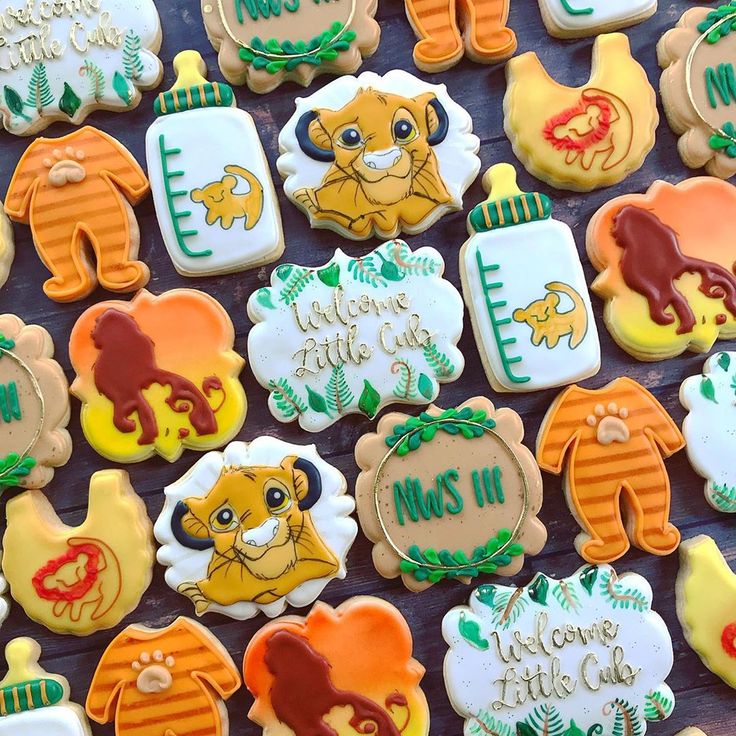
(725, 143)
(716, 15)
(424, 564)
(324, 47)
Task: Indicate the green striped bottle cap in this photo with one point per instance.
(506, 205)
(192, 90)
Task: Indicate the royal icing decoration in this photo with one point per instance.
(164, 681)
(76, 194)
(157, 375)
(4, 603)
(34, 702)
(698, 87)
(78, 580)
(668, 282)
(437, 24)
(449, 494)
(610, 442)
(526, 291)
(581, 655)
(582, 138)
(338, 670)
(264, 43)
(378, 155)
(215, 203)
(7, 246)
(706, 593)
(276, 512)
(355, 334)
(710, 428)
(577, 18)
(61, 61)
(34, 406)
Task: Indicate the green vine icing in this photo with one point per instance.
(465, 422)
(13, 469)
(715, 16)
(723, 497)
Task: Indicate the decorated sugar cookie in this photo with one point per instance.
(610, 442)
(449, 494)
(214, 197)
(486, 38)
(582, 655)
(76, 194)
(698, 87)
(34, 406)
(582, 138)
(63, 62)
(164, 681)
(576, 18)
(706, 605)
(710, 428)
(355, 334)
(338, 670)
(4, 603)
(277, 511)
(7, 246)
(157, 375)
(263, 44)
(78, 580)
(668, 283)
(692, 731)
(34, 701)
(526, 291)
(374, 155)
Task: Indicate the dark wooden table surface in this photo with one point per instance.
(702, 699)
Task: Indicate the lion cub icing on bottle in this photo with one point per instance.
(374, 155)
(256, 527)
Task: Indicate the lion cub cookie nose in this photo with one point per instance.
(262, 534)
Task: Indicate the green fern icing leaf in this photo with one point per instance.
(296, 279)
(338, 395)
(619, 595)
(723, 497)
(658, 705)
(133, 66)
(365, 271)
(96, 78)
(406, 384)
(39, 90)
(285, 400)
(438, 362)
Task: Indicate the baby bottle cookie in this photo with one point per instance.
(355, 335)
(668, 282)
(7, 246)
(278, 512)
(706, 606)
(163, 681)
(337, 670)
(263, 44)
(449, 494)
(76, 194)
(33, 701)
(157, 375)
(486, 38)
(610, 442)
(78, 580)
(34, 406)
(698, 87)
(63, 61)
(577, 18)
(581, 138)
(582, 655)
(213, 193)
(710, 428)
(378, 155)
(526, 291)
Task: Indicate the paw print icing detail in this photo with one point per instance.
(154, 672)
(65, 167)
(610, 423)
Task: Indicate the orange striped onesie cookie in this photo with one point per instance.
(76, 194)
(611, 441)
(437, 24)
(164, 682)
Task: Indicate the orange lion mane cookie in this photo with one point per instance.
(611, 441)
(337, 671)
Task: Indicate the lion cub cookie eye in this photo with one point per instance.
(277, 499)
(350, 138)
(404, 131)
(223, 520)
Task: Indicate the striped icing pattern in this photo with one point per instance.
(30, 695)
(500, 213)
(207, 94)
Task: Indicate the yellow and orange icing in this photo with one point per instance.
(157, 374)
(339, 671)
(667, 280)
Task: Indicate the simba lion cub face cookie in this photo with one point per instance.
(34, 406)
(378, 155)
(581, 138)
(449, 494)
(337, 670)
(582, 655)
(157, 375)
(276, 511)
(577, 18)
